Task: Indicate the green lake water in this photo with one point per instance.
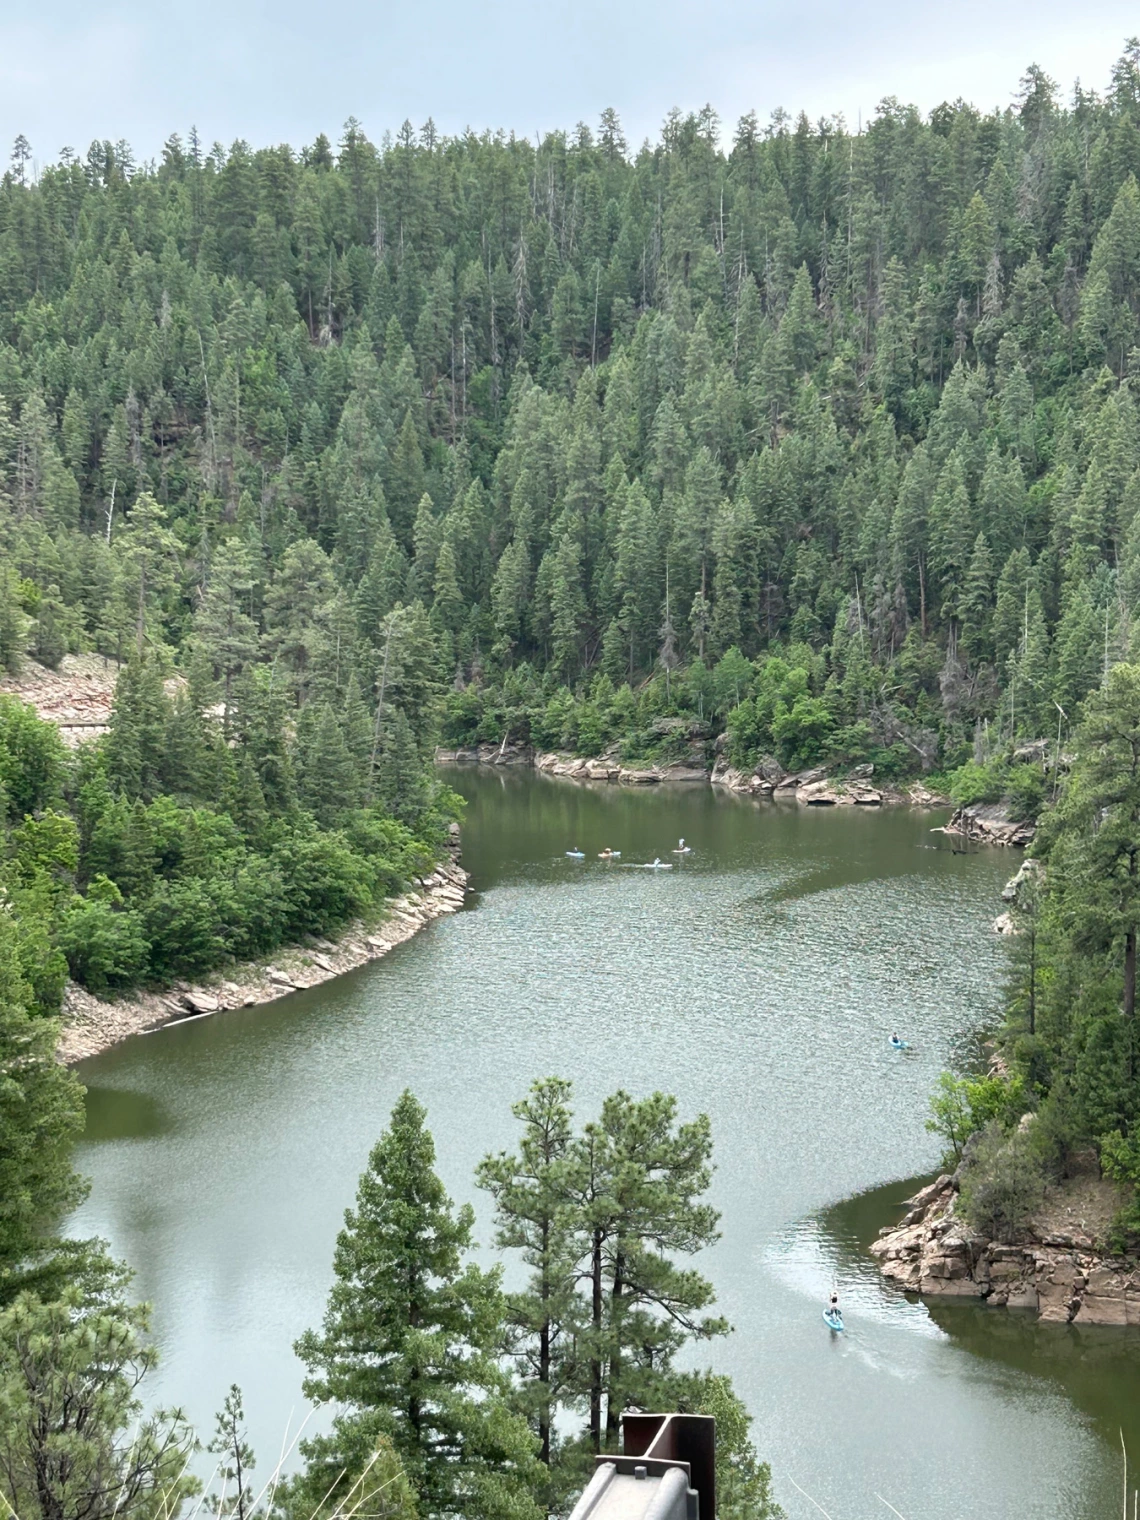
(759, 981)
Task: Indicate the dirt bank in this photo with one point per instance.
(77, 697)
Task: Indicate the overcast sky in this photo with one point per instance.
(284, 70)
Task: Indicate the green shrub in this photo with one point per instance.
(182, 921)
(1120, 1160)
(105, 946)
(1003, 1182)
(32, 759)
(961, 1106)
(972, 783)
(1025, 788)
(254, 908)
(325, 883)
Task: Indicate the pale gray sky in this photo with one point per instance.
(284, 70)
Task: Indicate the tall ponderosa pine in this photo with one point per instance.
(75, 1443)
(531, 1193)
(636, 1186)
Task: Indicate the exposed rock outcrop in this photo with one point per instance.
(77, 696)
(1029, 871)
(1015, 892)
(828, 793)
(990, 823)
(761, 781)
(91, 1025)
(920, 795)
(609, 768)
(1058, 1273)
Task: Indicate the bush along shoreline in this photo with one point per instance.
(1038, 1206)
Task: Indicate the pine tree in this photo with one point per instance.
(976, 600)
(1092, 840)
(634, 574)
(404, 487)
(136, 746)
(148, 549)
(567, 608)
(910, 533)
(399, 777)
(327, 780)
(447, 604)
(637, 1183)
(235, 1498)
(950, 532)
(224, 631)
(1009, 605)
(531, 1194)
(41, 1115)
(1078, 648)
(1031, 675)
(408, 1339)
(74, 1441)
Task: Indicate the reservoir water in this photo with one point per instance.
(759, 980)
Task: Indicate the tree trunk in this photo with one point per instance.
(140, 619)
(613, 1402)
(1130, 998)
(596, 1355)
(921, 597)
(544, 1352)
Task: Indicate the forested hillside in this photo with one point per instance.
(828, 439)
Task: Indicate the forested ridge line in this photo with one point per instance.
(828, 439)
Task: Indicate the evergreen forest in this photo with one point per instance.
(805, 443)
(823, 441)
(834, 428)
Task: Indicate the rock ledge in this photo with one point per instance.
(1060, 1275)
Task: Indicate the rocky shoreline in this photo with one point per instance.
(556, 763)
(1057, 1272)
(91, 1025)
(812, 788)
(990, 823)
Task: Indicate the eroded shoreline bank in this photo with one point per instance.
(91, 1025)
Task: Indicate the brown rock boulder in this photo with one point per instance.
(201, 1002)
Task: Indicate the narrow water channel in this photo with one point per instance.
(759, 981)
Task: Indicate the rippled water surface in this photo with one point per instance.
(759, 980)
